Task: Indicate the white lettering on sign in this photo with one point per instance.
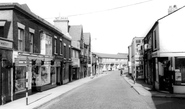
(5, 44)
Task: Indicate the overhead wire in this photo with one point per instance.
(111, 9)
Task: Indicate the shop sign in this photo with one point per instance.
(5, 44)
(154, 54)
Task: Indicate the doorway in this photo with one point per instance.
(5, 76)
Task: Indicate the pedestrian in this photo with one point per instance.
(121, 72)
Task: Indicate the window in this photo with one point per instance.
(60, 47)
(69, 51)
(46, 44)
(21, 36)
(20, 78)
(55, 45)
(138, 41)
(73, 53)
(20, 39)
(2, 24)
(65, 50)
(31, 35)
(179, 70)
(154, 40)
(1, 31)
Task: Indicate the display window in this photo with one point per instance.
(45, 75)
(20, 78)
(53, 75)
(180, 70)
(35, 76)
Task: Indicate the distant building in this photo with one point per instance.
(136, 57)
(107, 62)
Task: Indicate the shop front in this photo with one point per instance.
(5, 76)
(41, 73)
(75, 68)
(170, 72)
(59, 77)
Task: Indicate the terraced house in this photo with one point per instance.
(32, 49)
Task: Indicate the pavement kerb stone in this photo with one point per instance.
(152, 93)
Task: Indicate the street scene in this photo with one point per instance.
(112, 91)
(92, 54)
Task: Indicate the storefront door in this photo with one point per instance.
(5, 78)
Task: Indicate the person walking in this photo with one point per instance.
(121, 72)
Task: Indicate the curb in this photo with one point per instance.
(154, 93)
(58, 97)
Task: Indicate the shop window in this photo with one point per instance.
(20, 78)
(53, 75)
(35, 75)
(45, 78)
(179, 70)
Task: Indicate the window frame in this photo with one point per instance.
(21, 27)
(31, 39)
(65, 51)
(61, 46)
(55, 45)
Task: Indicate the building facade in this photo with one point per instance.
(136, 57)
(108, 62)
(164, 53)
(32, 50)
(87, 52)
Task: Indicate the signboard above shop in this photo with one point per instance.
(5, 44)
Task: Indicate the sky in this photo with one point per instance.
(112, 23)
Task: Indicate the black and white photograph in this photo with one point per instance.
(92, 54)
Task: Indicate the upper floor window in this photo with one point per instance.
(21, 36)
(1, 31)
(31, 41)
(55, 45)
(46, 44)
(20, 39)
(60, 46)
(2, 23)
(155, 40)
(31, 36)
(65, 50)
(138, 41)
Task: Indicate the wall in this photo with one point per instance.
(171, 32)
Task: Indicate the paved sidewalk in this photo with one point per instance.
(146, 90)
(41, 98)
